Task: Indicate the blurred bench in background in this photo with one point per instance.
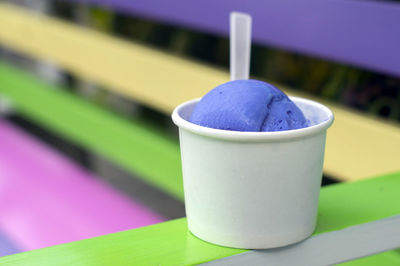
(352, 32)
(354, 220)
(162, 81)
(48, 199)
(358, 146)
(134, 145)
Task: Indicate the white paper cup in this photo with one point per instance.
(252, 190)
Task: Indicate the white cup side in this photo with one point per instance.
(252, 189)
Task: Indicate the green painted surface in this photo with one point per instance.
(346, 204)
(170, 243)
(134, 145)
(389, 258)
(167, 243)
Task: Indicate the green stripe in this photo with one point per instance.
(163, 244)
(170, 243)
(135, 145)
(389, 258)
(347, 204)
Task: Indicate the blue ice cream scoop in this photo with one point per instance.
(247, 105)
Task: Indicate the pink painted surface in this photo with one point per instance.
(46, 199)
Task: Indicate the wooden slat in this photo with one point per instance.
(325, 249)
(361, 33)
(358, 146)
(132, 144)
(389, 258)
(342, 207)
(48, 200)
(152, 77)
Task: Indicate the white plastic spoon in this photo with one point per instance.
(240, 45)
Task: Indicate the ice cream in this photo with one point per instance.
(248, 105)
(238, 181)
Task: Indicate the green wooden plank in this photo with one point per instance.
(170, 243)
(132, 144)
(167, 243)
(347, 204)
(389, 258)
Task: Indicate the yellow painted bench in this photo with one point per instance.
(358, 146)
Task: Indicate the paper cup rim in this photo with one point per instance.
(254, 136)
